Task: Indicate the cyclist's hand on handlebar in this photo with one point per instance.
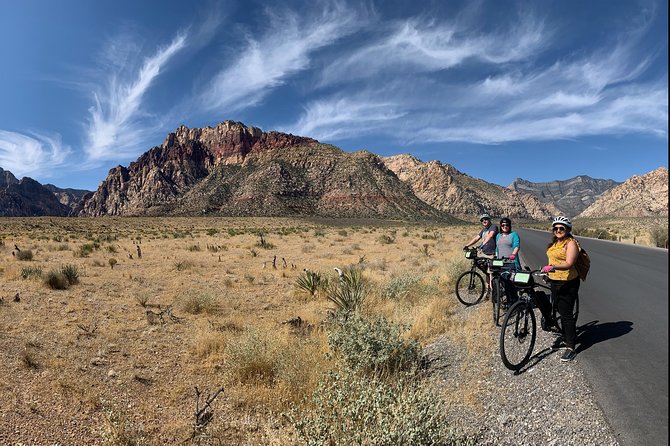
(512, 257)
(547, 269)
(466, 247)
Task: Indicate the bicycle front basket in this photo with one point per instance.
(522, 278)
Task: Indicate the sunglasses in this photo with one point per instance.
(558, 229)
(504, 225)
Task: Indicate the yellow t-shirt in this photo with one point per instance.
(556, 254)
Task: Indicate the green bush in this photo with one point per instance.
(350, 409)
(372, 346)
(28, 272)
(399, 287)
(71, 273)
(659, 236)
(85, 250)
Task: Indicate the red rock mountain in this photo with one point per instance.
(236, 170)
(447, 189)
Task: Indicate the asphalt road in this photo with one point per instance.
(622, 332)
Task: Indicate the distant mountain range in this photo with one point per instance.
(28, 198)
(235, 170)
(571, 196)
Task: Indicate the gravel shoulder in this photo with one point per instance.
(549, 402)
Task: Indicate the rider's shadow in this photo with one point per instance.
(592, 333)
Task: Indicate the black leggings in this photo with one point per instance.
(564, 294)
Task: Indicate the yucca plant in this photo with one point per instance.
(71, 273)
(309, 281)
(347, 293)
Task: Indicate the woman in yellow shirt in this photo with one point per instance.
(562, 254)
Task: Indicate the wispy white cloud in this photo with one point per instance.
(117, 125)
(516, 93)
(34, 154)
(417, 45)
(283, 50)
(343, 117)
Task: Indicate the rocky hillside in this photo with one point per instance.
(449, 190)
(571, 196)
(639, 196)
(236, 170)
(68, 197)
(27, 198)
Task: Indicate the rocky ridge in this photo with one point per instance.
(570, 196)
(447, 189)
(236, 170)
(639, 196)
(27, 198)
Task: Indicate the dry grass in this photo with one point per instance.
(121, 351)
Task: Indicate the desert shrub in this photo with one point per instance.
(84, 250)
(121, 429)
(255, 357)
(194, 248)
(399, 287)
(29, 359)
(348, 292)
(142, 299)
(56, 280)
(111, 249)
(262, 243)
(198, 303)
(309, 281)
(659, 236)
(26, 254)
(30, 271)
(385, 239)
(372, 346)
(112, 262)
(599, 233)
(182, 265)
(71, 273)
(348, 409)
(455, 267)
(212, 231)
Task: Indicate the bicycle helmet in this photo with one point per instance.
(561, 220)
(484, 216)
(506, 220)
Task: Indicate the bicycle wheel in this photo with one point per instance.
(470, 288)
(517, 335)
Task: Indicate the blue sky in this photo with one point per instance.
(498, 89)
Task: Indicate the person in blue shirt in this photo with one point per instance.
(508, 243)
(507, 246)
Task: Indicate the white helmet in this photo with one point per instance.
(484, 216)
(561, 220)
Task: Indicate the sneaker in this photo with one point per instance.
(568, 355)
(558, 343)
